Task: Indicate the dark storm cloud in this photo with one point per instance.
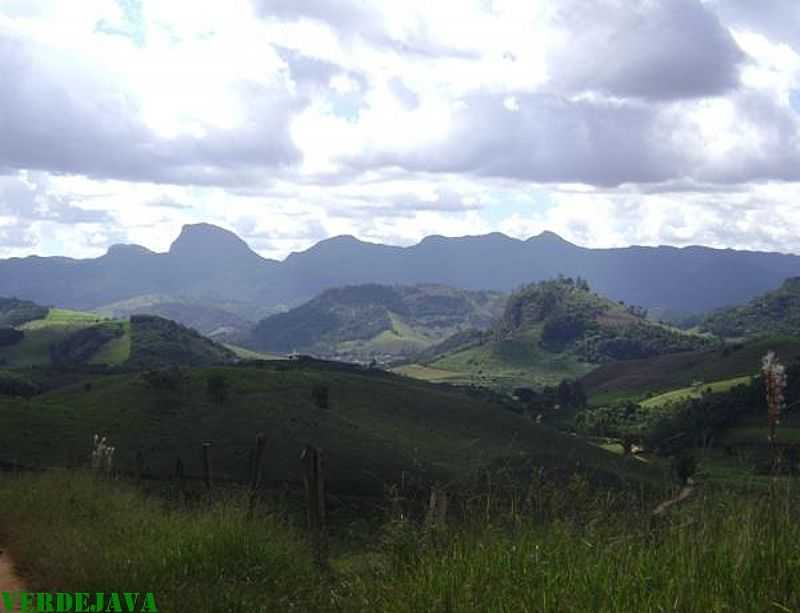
(549, 139)
(639, 48)
(60, 115)
(555, 140)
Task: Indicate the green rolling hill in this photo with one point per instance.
(365, 322)
(776, 313)
(634, 379)
(375, 426)
(53, 337)
(550, 331)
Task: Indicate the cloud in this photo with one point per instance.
(613, 122)
(15, 235)
(28, 198)
(779, 19)
(641, 48)
(546, 139)
(762, 217)
(69, 112)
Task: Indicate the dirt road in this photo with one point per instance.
(9, 579)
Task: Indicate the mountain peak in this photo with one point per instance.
(203, 241)
(122, 249)
(550, 237)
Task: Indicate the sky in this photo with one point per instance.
(609, 122)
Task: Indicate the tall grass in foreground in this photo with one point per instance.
(74, 532)
(720, 552)
(722, 555)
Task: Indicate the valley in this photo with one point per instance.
(441, 412)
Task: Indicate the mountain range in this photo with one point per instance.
(213, 267)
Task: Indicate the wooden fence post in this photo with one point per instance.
(207, 464)
(315, 502)
(255, 475)
(179, 480)
(437, 509)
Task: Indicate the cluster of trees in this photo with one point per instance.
(80, 346)
(775, 313)
(15, 312)
(571, 319)
(626, 420)
(637, 311)
(569, 394)
(156, 341)
(548, 302)
(636, 341)
(690, 423)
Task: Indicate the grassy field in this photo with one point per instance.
(249, 354)
(116, 351)
(510, 363)
(377, 426)
(42, 334)
(34, 348)
(753, 429)
(63, 317)
(571, 549)
(686, 393)
(633, 379)
(428, 373)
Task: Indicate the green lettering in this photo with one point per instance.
(44, 602)
(8, 601)
(82, 602)
(63, 602)
(131, 598)
(149, 604)
(26, 601)
(99, 600)
(113, 601)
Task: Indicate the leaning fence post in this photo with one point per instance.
(315, 502)
(255, 476)
(207, 464)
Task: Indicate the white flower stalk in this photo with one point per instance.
(775, 381)
(102, 455)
